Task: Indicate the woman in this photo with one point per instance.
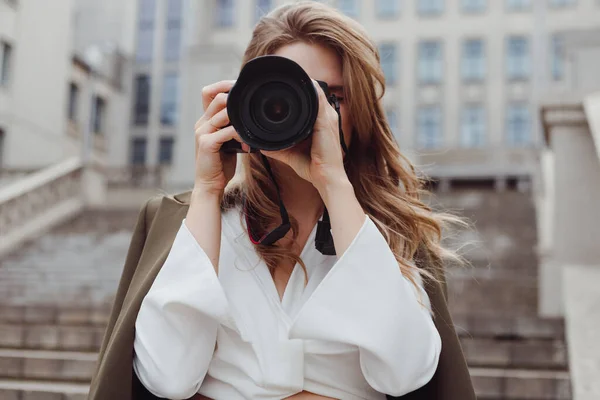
(220, 315)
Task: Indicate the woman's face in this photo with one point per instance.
(322, 64)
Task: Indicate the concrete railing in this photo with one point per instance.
(569, 223)
(36, 202)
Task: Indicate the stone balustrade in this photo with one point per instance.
(39, 201)
(569, 213)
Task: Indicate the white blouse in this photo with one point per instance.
(358, 330)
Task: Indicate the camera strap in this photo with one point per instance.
(323, 238)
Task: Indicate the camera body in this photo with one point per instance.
(273, 105)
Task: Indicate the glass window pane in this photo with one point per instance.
(170, 95)
(145, 34)
(562, 3)
(518, 124)
(392, 118)
(387, 8)
(138, 151)
(558, 56)
(73, 99)
(262, 8)
(473, 6)
(165, 150)
(6, 54)
(517, 57)
(518, 5)
(349, 7)
(99, 115)
(387, 52)
(430, 62)
(429, 127)
(430, 7)
(473, 126)
(173, 34)
(225, 13)
(142, 99)
(473, 60)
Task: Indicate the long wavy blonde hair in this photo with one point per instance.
(385, 182)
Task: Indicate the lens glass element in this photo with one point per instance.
(276, 109)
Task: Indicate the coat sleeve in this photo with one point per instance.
(134, 253)
(366, 301)
(176, 327)
(451, 380)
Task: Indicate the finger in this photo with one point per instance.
(214, 142)
(217, 121)
(217, 104)
(211, 91)
(323, 101)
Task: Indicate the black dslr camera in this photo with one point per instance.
(273, 104)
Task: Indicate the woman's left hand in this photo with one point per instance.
(325, 162)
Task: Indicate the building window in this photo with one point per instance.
(168, 108)
(429, 127)
(349, 7)
(473, 6)
(99, 114)
(73, 100)
(142, 99)
(562, 3)
(558, 56)
(518, 124)
(518, 5)
(517, 58)
(473, 126)
(173, 36)
(473, 60)
(387, 8)
(430, 62)
(225, 13)
(165, 150)
(145, 40)
(138, 151)
(2, 135)
(430, 7)
(387, 52)
(5, 65)
(262, 8)
(392, 118)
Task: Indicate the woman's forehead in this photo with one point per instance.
(320, 62)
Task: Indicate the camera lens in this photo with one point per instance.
(276, 109)
(273, 104)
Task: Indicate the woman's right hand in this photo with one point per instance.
(214, 168)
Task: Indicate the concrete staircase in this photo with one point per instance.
(48, 348)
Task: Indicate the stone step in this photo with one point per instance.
(490, 384)
(488, 353)
(520, 384)
(96, 316)
(51, 337)
(65, 366)
(515, 354)
(492, 296)
(41, 390)
(515, 327)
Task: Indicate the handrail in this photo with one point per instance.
(39, 201)
(38, 179)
